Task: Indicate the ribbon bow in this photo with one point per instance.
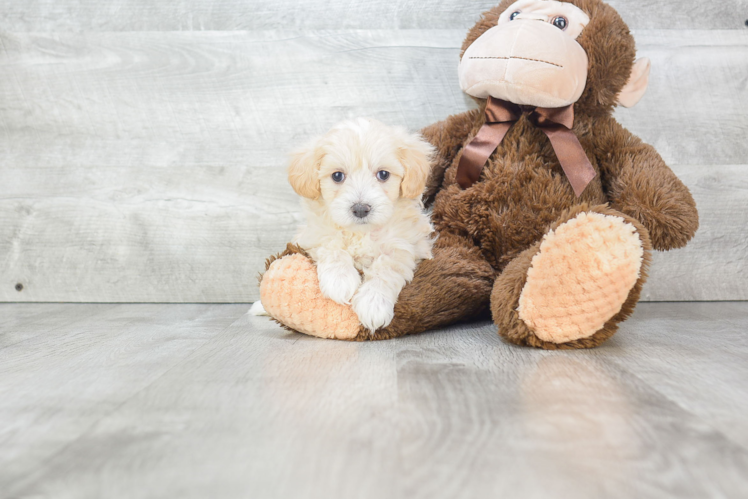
(556, 123)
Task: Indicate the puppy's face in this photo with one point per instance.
(359, 169)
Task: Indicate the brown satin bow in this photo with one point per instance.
(556, 123)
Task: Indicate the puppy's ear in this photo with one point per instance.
(303, 171)
(415, 155)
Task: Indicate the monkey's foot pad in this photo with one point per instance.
(581, 277)
(290, 294)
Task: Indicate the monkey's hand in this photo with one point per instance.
(640, 184)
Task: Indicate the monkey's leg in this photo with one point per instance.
(454, 285)
(573, 288)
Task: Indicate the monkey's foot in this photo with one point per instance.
(290, 293)
(581, 277)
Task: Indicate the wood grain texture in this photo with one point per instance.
(142, 234)
(204, 401)
(213, 99)
(87, 367)
(149, 166)
(224, 15)
(19, 324)
(217, 99)
(693, 111)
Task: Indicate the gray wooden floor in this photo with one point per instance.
(203, 400)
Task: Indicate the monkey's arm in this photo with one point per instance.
(640, 184)
(447, 136)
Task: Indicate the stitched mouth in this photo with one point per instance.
(517, 57)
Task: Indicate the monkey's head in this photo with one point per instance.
(551, 53)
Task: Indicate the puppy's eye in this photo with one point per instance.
(338, 177)
(514, 14)
(383, 175)
(560, 22)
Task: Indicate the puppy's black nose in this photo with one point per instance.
(360, 210)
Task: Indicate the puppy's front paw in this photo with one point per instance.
(373, 306)
(339, 283)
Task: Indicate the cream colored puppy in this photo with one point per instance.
(366, 229)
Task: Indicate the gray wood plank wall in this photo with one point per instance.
(227, 15)
(142, 145)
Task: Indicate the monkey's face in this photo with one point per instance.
(530, 57)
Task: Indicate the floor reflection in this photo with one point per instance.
(578, 421)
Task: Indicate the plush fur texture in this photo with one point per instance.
(320, 316)
(490, 233)
(508, 288)
(527, 60)
(468, 276)
(580, 277)
(366, 229)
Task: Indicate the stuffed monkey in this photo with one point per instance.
(546, 209)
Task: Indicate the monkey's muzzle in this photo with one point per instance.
(526, 62)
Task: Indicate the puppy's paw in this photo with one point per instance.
(339, 283)
(373, 306)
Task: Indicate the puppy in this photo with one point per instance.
(361, 187)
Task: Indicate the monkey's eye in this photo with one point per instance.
(560, 22)
(383, 175)
(338, 177)
(514, 14)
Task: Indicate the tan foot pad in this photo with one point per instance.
(290, 293)
(581, 277)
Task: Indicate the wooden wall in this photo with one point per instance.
(142, 144)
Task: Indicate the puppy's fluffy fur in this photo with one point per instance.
(366, 230)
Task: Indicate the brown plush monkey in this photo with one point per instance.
(547, 209)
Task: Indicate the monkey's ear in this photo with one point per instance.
(415, 155)
(303, 171)
(637, 84)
